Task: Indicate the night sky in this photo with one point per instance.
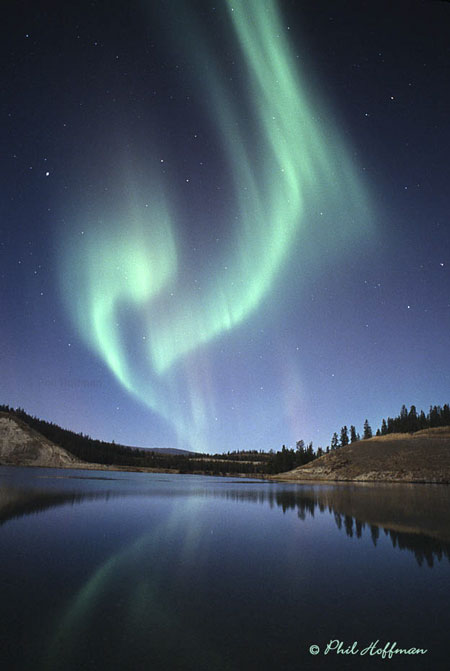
(224, 225)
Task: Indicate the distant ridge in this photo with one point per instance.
(165, 450)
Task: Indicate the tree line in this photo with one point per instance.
(105, 453)
(408, 421)
(247, 462)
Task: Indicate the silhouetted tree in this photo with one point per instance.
(446, 415)
(344, 436)
(423, 423)
(353, 437)
(334, 441)
(367, 430)
(413, 421)
(404, 419)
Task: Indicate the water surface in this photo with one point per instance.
(103, 570)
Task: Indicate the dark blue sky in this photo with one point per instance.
(161, 282)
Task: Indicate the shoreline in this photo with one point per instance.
(286, 478)
(372, 480)
(137, 469)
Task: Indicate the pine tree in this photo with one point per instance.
(353, 437)
(413, 422)
(344, 436)
(334, 441)
(446, 415)
(367, 430)
(404, 419)
(423, 422)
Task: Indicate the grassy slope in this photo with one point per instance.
(418, 457)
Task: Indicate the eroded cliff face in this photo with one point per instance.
(419, 457)
(22, 446)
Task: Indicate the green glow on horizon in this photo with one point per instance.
(132, 260)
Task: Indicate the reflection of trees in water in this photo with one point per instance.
(429, 548)
(15, 503)
(21, 504)
(425, 548)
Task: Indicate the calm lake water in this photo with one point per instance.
(105, 570)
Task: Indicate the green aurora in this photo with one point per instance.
(132, 258)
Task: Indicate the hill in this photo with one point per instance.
(29, 441)
(397, 457)
(22, 445)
